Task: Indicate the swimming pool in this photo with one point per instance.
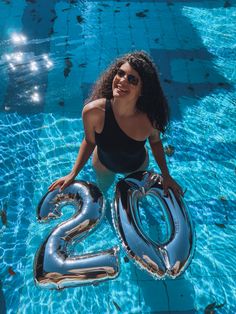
(45, 77)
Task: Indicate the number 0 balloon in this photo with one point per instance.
(160, 260)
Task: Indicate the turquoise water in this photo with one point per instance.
(45, 78)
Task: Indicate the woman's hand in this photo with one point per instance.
(62, 182)
(169, 182)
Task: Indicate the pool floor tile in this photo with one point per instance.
(124, 297)
(180, 295)
(153, 296)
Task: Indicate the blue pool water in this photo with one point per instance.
(45, 77)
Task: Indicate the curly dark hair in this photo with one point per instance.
(152, 100)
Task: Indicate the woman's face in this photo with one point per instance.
(127, 83)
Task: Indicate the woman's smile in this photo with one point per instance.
(126, 82)
(121, 89)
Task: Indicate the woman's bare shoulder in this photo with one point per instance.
(94, 106)
(93, 113)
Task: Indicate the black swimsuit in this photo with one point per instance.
(116, 150)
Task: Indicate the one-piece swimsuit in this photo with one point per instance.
(116, 150)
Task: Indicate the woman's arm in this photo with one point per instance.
(84, 153)
(159, 155)
(85, 150)
(88, 143)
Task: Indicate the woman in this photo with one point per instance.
(127, 107)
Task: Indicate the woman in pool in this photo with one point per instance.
(127, 106)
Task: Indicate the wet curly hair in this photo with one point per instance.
(152, 100)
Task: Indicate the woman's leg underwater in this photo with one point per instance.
(105, 179)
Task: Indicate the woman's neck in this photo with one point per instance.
(124, 107)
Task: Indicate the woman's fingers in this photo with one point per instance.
(54, 185)
(64, 185)
(166, 192)
(177, 189)
(61, 183)
(51, 187)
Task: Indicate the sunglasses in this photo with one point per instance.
(130, 77)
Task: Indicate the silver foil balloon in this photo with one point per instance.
(160, 259)
(54, 267)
